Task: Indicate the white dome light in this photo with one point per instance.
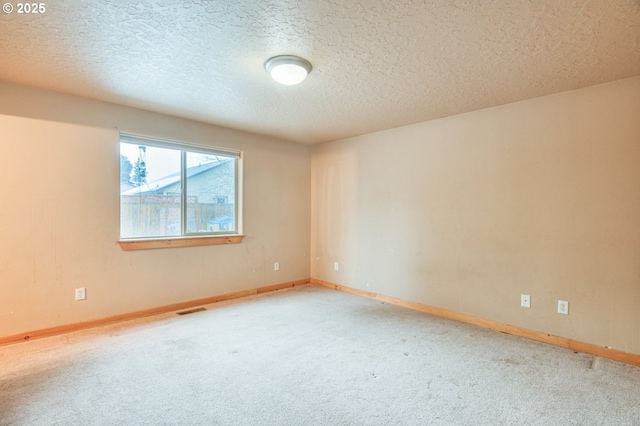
(288, 70)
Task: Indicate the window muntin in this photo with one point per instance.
(175, 190)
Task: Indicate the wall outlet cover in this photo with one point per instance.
(81, 293)
(563, 307)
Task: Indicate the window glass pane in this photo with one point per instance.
(150, 186)
(211, 193)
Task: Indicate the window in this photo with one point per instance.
(171, 191)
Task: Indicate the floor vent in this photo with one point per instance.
(190, 311)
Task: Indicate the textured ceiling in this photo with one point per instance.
(377, 64)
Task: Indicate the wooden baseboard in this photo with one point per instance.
(47, 332)
(562, 342)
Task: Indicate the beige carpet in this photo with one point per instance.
(308, 356)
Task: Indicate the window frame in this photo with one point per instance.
(186, 239)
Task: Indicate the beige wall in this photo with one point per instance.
(540, 197)
(465, 213)
(59, 214)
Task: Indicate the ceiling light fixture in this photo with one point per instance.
(288, 70)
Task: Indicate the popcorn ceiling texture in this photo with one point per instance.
(377, 65)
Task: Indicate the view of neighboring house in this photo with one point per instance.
(154, 206)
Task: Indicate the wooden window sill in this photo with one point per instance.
(158, 243)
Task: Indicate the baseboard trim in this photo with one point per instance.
(62, 329)
(551, 339)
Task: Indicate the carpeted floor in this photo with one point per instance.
(308, 356)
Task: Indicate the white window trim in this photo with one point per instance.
(188, 240)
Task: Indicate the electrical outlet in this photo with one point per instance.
(81, 293)
(525, 301)
(336, 266)
(276, 266)
(563, 307)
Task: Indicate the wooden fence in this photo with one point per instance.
(152, 216)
